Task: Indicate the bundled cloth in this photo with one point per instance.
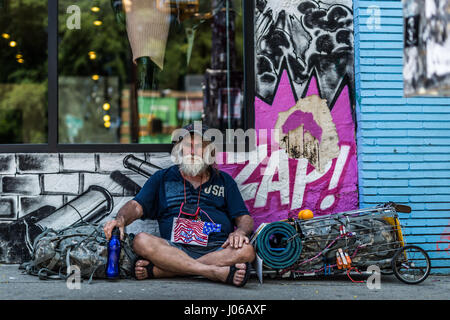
(83, 245)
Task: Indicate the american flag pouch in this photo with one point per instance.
(193, 232)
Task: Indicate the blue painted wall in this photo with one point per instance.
(403, 143)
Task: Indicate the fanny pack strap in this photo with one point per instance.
(200, 191)
(207, 216)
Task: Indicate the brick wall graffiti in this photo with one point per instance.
(39, 191)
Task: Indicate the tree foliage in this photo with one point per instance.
(23, 86)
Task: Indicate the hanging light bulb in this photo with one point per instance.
(98, 23)
(95, 9)
(95, 77)
(92, 55)
(107, 124)
(12, 44)
(106, 106)
(6, 36)
(20, 60)
(19, 56)
(106, 118)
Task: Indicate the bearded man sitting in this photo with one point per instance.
(194, 190)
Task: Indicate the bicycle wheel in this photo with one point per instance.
(411, 264)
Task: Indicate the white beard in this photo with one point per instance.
(193, 165)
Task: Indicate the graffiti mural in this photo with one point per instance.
(302, 36)
(304, 112)
(426, 64)
(443, 244)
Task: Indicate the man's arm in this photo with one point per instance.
(245, 224)
(130, 212)
(240, 236)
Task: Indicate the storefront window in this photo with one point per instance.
(23, 72)
(132, 71)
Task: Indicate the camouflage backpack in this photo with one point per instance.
(83, 245)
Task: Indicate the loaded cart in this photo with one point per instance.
(346, 242)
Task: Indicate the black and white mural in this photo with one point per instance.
(303, 37)
(39, 191)
(426, 63)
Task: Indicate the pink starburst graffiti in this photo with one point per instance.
(276, 186)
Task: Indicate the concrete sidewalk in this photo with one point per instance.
(14, 285)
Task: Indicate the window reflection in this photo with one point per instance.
(23, 72)
(157, 65)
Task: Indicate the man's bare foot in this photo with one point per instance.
(141, 270)
(239, 274)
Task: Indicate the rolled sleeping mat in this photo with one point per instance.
(274, 248)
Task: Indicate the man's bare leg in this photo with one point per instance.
(229, 256)
(170, 261)
(225, 257)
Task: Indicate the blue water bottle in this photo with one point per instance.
(112, 267)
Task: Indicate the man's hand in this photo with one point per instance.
(236, 240)
(131, 211)
(109, 226)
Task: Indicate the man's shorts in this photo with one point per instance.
(196, 252)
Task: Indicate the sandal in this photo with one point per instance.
(148, 267)
(233, 270)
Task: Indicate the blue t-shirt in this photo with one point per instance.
(163, 193)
